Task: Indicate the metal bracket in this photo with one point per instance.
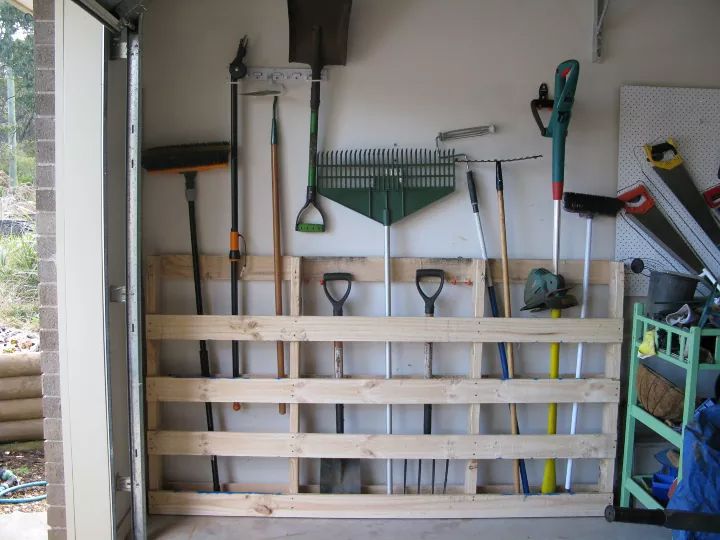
(123, 483)
(118, 294)
(118, 45)
(600, 8)
(282, 74)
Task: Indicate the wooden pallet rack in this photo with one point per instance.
(462, 501)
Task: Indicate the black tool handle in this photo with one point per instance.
(499, 185)
(672, 519)
(337, 303)
(422, 274)
(657, 151)
(634, 515)
(542, 102)
(472, 191)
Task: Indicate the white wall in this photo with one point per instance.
(415, 67)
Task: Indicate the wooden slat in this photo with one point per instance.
(370, 269)
(376, 329)
(471, 466)
(20, 364)
(377, 506)
(21, 430)
(383, 391)
(324, 445)
(152, 362)
(295, 311)
(616, 298)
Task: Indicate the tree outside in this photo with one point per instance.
(18, 256)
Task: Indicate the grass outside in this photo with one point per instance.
(19, 304)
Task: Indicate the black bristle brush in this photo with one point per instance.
(587, 206)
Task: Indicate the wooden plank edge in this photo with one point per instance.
(378, 506)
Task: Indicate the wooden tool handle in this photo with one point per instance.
(277, 260)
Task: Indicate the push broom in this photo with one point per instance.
(587, 206)
(566, 77)
(386, 185)
(188, 160)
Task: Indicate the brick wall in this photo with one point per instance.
(45, 129)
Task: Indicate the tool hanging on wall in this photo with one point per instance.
(587, 206)
(492, 297)
(566, 78)
(339, 475)
(641, 210)
(188, 160)
(676, 177)
(386, 185)
(277, 246)
(438, 278)
(238, 70)
(318, 36)
(463, 133)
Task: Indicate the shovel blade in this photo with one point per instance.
(331, 18)
(340, 476)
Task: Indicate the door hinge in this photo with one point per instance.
(118, 294)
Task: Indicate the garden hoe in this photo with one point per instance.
(566, 77)
(339, 475)
(587, 206)
(318, 36)
(188, 160)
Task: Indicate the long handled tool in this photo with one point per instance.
(438, 277)
(519, 473)
(492, 296)
(238, 70)
(587, 206)
(277, 247)
(339, 475)
(188, 160)
(386, 185)
(566, 77)
(318, 36)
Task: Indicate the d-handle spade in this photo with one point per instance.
(339, 475)
(429, 275)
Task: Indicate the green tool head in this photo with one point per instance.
(545, 290)
(386, 184)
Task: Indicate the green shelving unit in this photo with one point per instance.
(687, 342)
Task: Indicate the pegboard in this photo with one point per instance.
(648, 115)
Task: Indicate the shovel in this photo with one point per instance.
(339, 475)
(318, 36)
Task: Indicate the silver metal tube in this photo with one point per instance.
(134, 293)
(464, 133)
(388, 353)
(580, 350)
(556, 236)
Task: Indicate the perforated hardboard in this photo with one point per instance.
(648, 115)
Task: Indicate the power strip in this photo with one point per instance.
(279, 74)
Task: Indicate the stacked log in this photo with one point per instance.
(20, 397)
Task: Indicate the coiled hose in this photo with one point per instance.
(22, 487)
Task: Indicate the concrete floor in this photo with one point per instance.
(23, 526)
(211, 528)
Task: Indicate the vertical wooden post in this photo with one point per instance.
(475, 372)
(152, 361)
(616, 298)
(295, 311)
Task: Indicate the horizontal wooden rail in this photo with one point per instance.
(370, 269)
(376, 329)
(321, 445)
(381, 391)
(378, 506)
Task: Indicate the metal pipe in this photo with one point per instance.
(388, 353)
(465, 133)
(581, 346)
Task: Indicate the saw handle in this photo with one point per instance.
(712, 196)
(422, 274)
(637, 200)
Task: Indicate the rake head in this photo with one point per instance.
(386, 184)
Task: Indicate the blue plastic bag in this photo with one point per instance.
(699, 489)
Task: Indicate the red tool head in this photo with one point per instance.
(712, 196)
(637, 200)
